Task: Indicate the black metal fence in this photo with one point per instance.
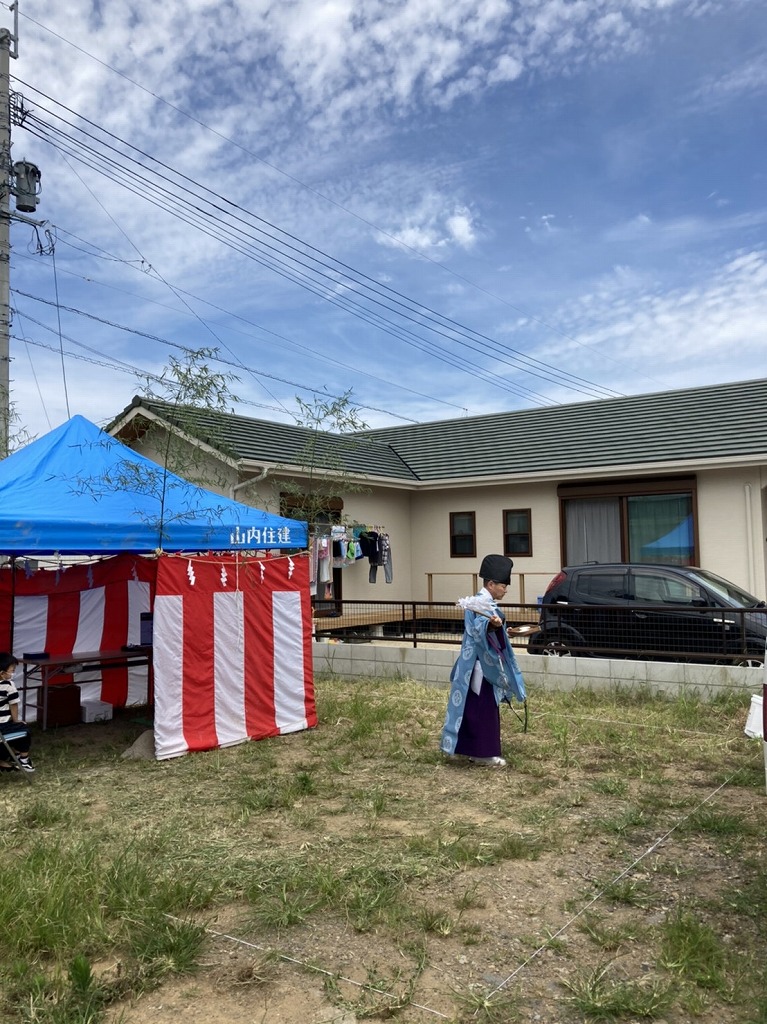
(412, 622)
(670, 633)
(653, 631)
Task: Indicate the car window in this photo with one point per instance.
(665, 588)
(604, 585)
(650, 588)
(732, 595)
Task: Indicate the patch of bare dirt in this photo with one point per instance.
(519, 925)
(523, 933)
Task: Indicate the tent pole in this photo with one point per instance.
(13, 602)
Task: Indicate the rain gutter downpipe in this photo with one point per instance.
(246, 483)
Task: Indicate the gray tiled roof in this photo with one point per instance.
(262, 441)
(718, 422)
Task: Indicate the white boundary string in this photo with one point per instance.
(601, 893)
(520, 967)
(317, 970)
(545, 945)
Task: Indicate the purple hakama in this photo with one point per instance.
(480, 731)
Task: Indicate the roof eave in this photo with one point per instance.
(596, 472)
(143, 412)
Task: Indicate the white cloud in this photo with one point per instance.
(747, 79)
(682, 231)
(461, 228)
(270, 56)
(431, 228)
(718, 321)
(355, 98)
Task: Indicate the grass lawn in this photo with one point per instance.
(615, 871)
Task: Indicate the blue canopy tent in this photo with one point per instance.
(78, 490)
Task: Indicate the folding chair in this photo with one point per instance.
(5, 741)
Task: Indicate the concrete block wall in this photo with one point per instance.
(433, 665)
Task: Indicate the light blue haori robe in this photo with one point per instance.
(499, 667)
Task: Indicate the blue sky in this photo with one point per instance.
(567, 197)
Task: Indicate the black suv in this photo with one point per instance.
(650, 611)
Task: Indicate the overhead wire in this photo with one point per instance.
(316, 192)
(114, 364)
(341, 300)
(197, 298)
(26, 342)
(321, 290)
(313, 261)
(179, 294)
(170, 287)
(172, 344)
(58, 314)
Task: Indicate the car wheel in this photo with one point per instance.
(556, 649)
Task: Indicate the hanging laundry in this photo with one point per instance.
(324, 573)
(377, 546)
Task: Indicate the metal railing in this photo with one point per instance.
(412, 622)
(524, 586)
(671, 632)
(641, 632)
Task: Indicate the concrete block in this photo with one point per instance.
(386, 653)
(666, 672)
(365, 667)
(629, 673)
(707, 680)
(437, 673)
(594, 671)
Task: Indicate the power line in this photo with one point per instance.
(173, 344)
(373, 317)
(314, 191)
(229, 313)
(115, 364)
(283, 246)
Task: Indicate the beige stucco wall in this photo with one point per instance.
(218, 476)
(391, 510)
(732, 531)
(431, 538)
(731, 526)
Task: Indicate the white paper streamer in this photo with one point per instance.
(190, 572)
(479, 604)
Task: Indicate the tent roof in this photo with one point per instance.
(77, 490)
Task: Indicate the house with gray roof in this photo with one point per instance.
(675, 476)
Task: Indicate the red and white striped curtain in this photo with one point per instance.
(232, 651)
(232, 640)
(81, 608)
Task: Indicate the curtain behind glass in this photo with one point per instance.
(660, 529)
(592, 530)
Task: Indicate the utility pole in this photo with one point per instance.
(6, 40)
(21, 180)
